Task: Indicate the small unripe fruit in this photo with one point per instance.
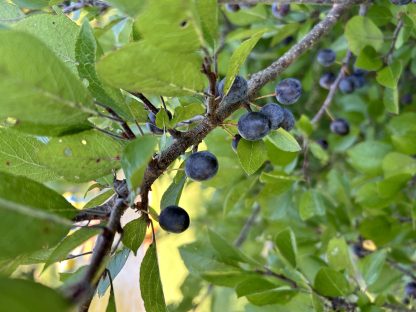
(289, 121)
(238, 90)
(174, 219)
(340, 126)
(253, 126)
(201, 166)
(288, 91)
(326, 57)
(280, 10)
(327, 80)
(347, 85)
(234, 142)
(275, 113)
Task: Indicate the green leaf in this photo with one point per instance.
(131, 8)
(367, 157)
(338, 254)
(225, 251)
(207, 15)
(31, 216)
(359, 39)
(389, 76)
(391, 100)
(134, 233)
(396, 164)
(57, 32)
(173, 194)
(69, 243)
(141, 67)
(280, 295)
(150, 284)
(85, 54)
(162, 119)
(286, 243)
(53, 101)
(187, 112)
(111, 305)
(253, 285)
(311, 204)
(305, 125)
(237, 193)
(176, 28)
(369, 59)
(252, 155)
(114, 266)
(32, 4)
(372, 265)
(228, 278)
(238, 58)
(331, 283)
(82, 157)
(19, 295)
(19, 156)
(136, 156)
(284, 141)
(9, 12)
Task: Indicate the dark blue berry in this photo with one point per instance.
(288, 91)
(327, 80)
(238, 90)
(253, 126)
(410, 289)
(174, 219)
(275, 113)
(289, 121)
(340, 126)
(323, 143)
(347, 85)
(201, 166)
(400, 2)
(326, 57)
(234, 142)
(232, 7)
(280, 10)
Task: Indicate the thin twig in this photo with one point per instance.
(79, 255)
(247, 226)
(146, 102)
(115, 136)
(389, 55)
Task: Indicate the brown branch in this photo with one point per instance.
(247, 227)
(83, 291)
(334, 87)
(389, 55)
(259, 79)
(332, 90)
(147, 104)
(158, 165)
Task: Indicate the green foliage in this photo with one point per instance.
(14, 297)
(135, 158)
(63, 110)
(302, 220)
(134, 233)
(150, 284)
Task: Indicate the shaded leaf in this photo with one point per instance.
(150, 284)
(331, 283)
(134, 233)
(286, 243)
(114, 266)
(252, 155)
(82, 157)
